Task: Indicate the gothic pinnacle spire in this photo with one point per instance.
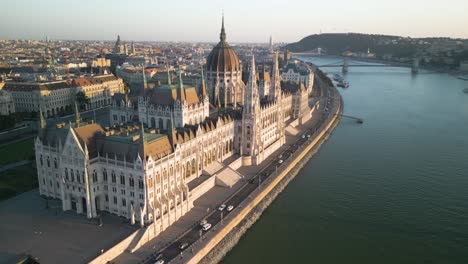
(145, 84)
(168, 76)
(203, 84)
(180, 89)
(77, 116)
(222, 36)
(43, 123)
(142, 131)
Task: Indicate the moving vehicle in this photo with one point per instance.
(183, 245)
(203, 222)
(206, 227)
(222, 207)
(229, 208)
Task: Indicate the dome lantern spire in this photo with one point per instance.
(222, 36)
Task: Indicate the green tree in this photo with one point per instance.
(82, 99)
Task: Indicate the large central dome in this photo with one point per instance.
(222, 58)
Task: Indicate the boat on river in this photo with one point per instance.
(343, 84)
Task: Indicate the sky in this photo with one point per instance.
(245, 20)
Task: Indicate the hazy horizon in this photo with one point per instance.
(246, 21)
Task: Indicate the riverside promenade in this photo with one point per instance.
(258, 183)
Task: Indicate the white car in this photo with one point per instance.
(222, 207)
(303, 136)
(206, 227)
(280, 156)
(203, 222)
(229, 208)
(308, 136)
(161, 261)
(280, 161)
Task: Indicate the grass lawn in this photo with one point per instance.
(17, 180)
(23, 150)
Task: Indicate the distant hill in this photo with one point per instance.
(336, 44)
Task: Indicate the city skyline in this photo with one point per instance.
(189, 21)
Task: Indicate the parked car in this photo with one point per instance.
(280, 156)
(203, 222)
(303, 136)
(308, 136)
(222, 207)
(183, 245)
(206, 227)
(229, 208)
(280, 161)
(159, 261)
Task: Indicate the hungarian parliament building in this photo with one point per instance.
(186, 140)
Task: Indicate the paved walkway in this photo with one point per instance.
(54, 236)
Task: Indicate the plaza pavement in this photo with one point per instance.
(51, 235)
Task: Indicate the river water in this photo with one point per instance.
(392, 190)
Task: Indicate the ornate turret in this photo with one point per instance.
(42, 123)
(145, 83)
(275, 90)
(203, 85)
(77, 116)
(171, 132)
(180, 89)
(251, 98)
(169, 82)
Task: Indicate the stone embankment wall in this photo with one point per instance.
(227, 237)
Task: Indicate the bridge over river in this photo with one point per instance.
(345, 63)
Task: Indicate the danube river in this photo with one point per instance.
(392, 190)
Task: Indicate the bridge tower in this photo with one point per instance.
(415, 67)
(345, 65)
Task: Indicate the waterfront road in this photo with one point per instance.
(192, 235)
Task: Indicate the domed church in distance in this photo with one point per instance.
(224, 74)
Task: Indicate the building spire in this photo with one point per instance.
(171, 131)
(142, 131)
(42, 124)
(145, 84)
(77, 116)
(222, 36)
(251, 99)
(275, 90)
(181, 89)
(168, 76)
(203, 84)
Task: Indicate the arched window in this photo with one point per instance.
(104, 175)
(95, 176)
(55, 163)
(150, 183)
(66, 174)
(42, 162)
(48, 162)
(122, 179)
(72, 174)
(113, 177)
(140, 183)
(132, 181)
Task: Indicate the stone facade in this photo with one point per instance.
(300, 72)
(150, 171)
(57, 97)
